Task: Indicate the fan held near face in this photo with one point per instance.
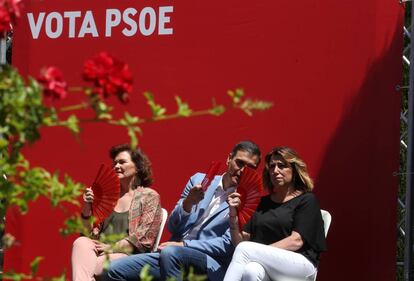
(250, 188)
(211, 173)
(106, 189)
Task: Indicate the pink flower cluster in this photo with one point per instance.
(109, 76)
(54, 85)
(10, 10)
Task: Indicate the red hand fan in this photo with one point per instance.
(106, 189)
(211, 173)
(250, 188)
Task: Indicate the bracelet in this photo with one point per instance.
(84, 217)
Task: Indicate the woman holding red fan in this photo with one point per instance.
(285, 235)
(136, 215)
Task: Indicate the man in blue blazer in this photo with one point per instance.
(199, 225)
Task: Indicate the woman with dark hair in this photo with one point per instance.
(285, 235)
(137, 215)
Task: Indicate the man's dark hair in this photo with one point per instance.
(247, 146)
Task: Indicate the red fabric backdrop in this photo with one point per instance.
(330, 67)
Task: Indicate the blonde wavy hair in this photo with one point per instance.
(301, 179)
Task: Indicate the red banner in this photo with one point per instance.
(329, 67)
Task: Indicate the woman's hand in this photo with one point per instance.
(88, 198)
(100, 247)
(234, 203)
(123, 246)
(88, 195)
(292, 243)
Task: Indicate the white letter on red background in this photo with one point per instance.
(59, 25)
(72, 21)
(35, 26)
(88, 25)
(129, 21)
(110, 21)
(163, 19)
(152, 21)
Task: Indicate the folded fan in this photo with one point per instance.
(250, 188)
(211, 173)
(106, 189)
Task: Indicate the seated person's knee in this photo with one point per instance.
(254, 271)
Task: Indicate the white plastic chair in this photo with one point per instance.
(163, 220)
(327, 218)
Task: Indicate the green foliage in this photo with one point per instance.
(73, 124)
(247, 105)
(102, 110)
(157, 110)
(15, 276)
(194, 277)
(145, 275)
(74, 224)
(34, 265)
(183, 108)
(131, 123)
(236, 95)
(21, 112)
(59, 278)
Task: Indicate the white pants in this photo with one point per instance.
(257, 262)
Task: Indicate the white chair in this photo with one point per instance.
(327, 218)
(163, 220)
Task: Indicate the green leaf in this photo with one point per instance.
(15, 276)
(74, 224)
(157, 110)
(248, 106)
(73, 124)
(59, 278)
(217, 110)
(183, 108)
(144, 275)
(133, 137)
(34, 265)
(131, 120)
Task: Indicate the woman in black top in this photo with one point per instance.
(285, 235)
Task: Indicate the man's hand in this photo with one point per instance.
(234, 203)
(170, 243)
(195, 195)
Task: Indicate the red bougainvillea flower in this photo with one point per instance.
(109, 76)
(54, 85)
(4, 20)
(10, 10)
(14, 7)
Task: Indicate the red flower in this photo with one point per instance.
(4, 20)
(10, 10)
(53, 84)
(14, 7)
(109, 76)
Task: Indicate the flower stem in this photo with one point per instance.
(76, 89)
(82, 105)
